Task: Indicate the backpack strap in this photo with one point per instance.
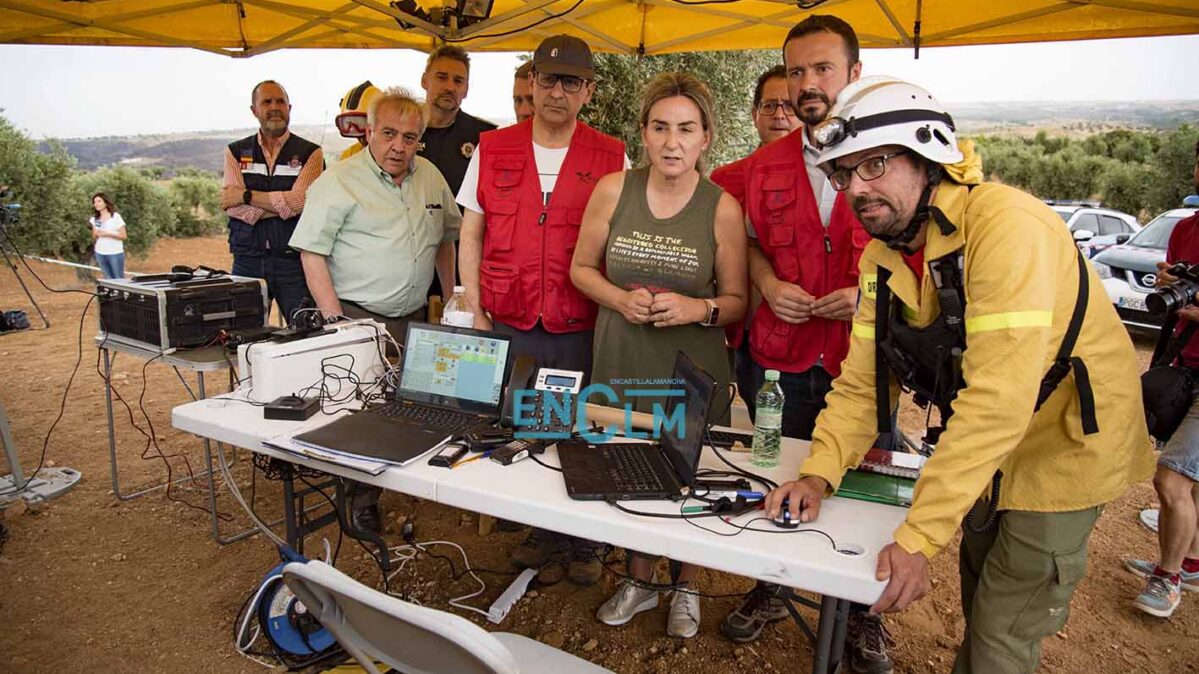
(1064, 363)
(882, 326)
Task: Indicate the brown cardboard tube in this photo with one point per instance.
(610, 416)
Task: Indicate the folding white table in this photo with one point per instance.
(530, 493)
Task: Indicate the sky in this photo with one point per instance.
(81, 92)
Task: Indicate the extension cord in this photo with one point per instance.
(502, 605)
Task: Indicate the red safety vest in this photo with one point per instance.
(786, 218)
(731, 179)
(528, 245)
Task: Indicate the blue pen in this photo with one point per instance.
(740, 493)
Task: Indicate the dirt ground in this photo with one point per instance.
(141, 587)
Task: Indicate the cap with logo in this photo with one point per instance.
(564, 55)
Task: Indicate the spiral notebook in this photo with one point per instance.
(877, 488)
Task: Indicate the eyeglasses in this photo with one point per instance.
(768, 108)
(570, 83)
(870, 168)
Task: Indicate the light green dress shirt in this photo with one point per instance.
(380, 239)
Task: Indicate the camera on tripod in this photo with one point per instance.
(1174, 296)
(9, 211)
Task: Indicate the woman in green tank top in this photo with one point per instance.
(662, 250)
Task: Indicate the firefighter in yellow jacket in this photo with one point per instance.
(974, 297)
(351, 122)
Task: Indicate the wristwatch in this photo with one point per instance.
(713, 314)
(246, 196)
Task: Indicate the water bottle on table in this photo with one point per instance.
(768, 422)
(456, 312)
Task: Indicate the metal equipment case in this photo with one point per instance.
(167, 311)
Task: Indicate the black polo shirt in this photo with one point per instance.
(451, 147)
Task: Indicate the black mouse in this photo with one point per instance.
(784, 520)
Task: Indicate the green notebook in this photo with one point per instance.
(877, 488)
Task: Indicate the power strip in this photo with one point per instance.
(504, 603)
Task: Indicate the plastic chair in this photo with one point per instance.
(376, 627)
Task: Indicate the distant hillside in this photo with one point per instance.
(1082, 118)
(204, 149)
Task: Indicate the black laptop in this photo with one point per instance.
(645, 471)
(452, 382)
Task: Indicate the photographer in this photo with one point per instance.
(1177, 478)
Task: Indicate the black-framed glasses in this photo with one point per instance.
(870, 168)
(570, 83)
(768, 108)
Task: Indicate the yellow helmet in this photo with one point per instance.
(351, 123)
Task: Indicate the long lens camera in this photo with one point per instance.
(1170, 298)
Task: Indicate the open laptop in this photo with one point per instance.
(645, 471)
(452, 382)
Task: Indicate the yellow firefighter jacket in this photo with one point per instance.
(1021, 281)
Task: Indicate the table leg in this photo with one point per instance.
(112, 438)
(830, 635)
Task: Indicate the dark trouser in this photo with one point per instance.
(803, 397)
(284, 276)
(112, 266)
(398, 327)
(743, 374)
(568, 351)
(1017, 581)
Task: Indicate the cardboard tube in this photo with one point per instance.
(610, 416)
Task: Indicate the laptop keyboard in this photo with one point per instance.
(452, 420)
(727, 438)
(629, 468)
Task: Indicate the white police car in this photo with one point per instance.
(1095, 229)
(1129, 271)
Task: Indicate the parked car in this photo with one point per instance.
(1130, 270)
(1095, 229)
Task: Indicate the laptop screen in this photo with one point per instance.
(682, 442)
(454, 367)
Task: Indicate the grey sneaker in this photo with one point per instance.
(1144, 568)
(868, 644)
(1160, 597)
(683, 619)
(629, 600)
(761, 606)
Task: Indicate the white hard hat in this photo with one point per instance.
(877, 111)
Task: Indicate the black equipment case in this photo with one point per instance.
(167, 311)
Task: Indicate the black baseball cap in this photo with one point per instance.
(564, 55)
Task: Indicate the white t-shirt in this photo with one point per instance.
(106, 245)
(549, 164)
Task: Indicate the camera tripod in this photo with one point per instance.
(6, 242)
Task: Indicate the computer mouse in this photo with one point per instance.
(784, 521)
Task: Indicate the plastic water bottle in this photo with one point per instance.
(768, 422)
(455, 312)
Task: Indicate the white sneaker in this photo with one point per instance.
(629, 600)
(683, 619)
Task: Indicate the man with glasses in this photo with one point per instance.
(524, 194)
(976, 296)
(774, 118)
(376, 227)
(804, 248)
